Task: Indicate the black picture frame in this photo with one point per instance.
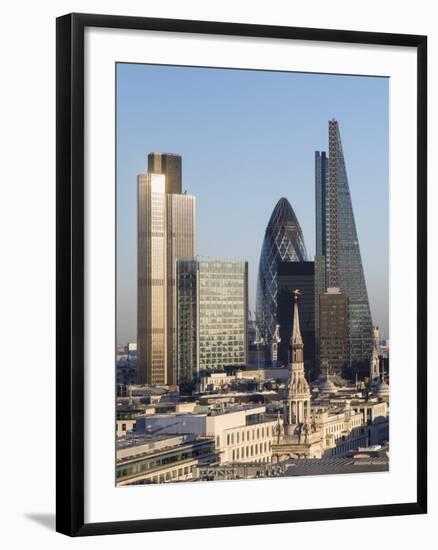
(70, 272)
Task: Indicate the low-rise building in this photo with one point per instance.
(162, 458)
(241, 434)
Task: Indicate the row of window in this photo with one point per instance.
(145, 465)
(250, 451)
(173, 475)
(250, 434)
(348, 446)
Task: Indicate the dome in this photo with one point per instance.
(382, 389)
(327, 386)
(283, 242)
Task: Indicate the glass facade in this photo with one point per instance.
(166, 229)
(283, 242)
(338, 259)
(180, 244)
(151, 295)
(212, 306)
(170, 165)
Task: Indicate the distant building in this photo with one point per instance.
(126, 363)
(126, 374)
(334, 340)
(252, 332)
(338, 259)
(126, 353)
(166, 231)
(291, 276)
(212, 315)
(283, 242)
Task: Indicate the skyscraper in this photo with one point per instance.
(283, 242)
(170, 165)
(338, 260)
(334, 346)
(166, 229)
(297, 276)
(212, 297)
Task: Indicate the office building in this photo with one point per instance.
(241, 434)
(338, 261)
(170, 165)
(166, 231)
(334, 342)
(300, 276)
(162, 458)
(283, 242)
(212, 315)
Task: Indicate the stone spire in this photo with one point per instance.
(297, 398)
(374, 366)
(296, 339)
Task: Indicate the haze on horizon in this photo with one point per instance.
(247, 138)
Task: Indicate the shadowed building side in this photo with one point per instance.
(291, 276)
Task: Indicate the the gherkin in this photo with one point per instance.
(283, 242)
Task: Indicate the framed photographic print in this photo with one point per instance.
(241, 274)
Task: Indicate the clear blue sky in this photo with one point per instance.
(248, 138)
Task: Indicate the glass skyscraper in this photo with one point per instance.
(212, 315)
(166, 231)
(338, 261)
(283, 242)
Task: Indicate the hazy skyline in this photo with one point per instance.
(247, 138)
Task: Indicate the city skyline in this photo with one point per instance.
(234, 188)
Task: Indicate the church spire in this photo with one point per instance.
(296, 342)
(296, 339)
(297, 409)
